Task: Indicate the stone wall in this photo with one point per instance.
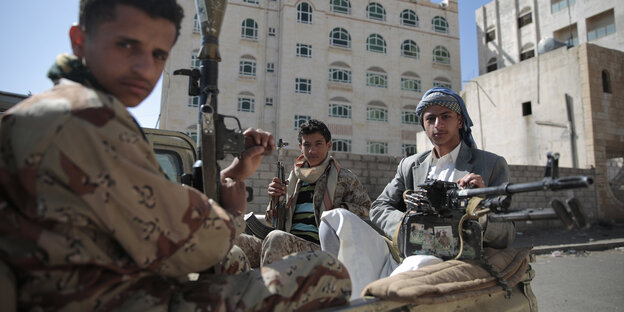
(376, 171)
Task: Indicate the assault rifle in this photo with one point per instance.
(442, 219)
(279, 221)
(215, 140)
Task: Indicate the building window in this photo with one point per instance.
(441, 55)
(410, 84)
(340, 6)
(196, 24)
(376, 43)
(439, 24)
(408, 149)
(195, 62)
(409, 18)
(246, 104)
(339, 75)
(300, 120)
(568, 34)
(558, 5)
(527, 55)
(304, 50)
(341, 145)
(442, 82)
(268, 101)
(600, 25)
(490, 36)
(526, 108)
(376, 114)
(409, 117)
(377, 147)
(492, 65)
(374, 79)
(251, 1)
(340, 111)
(193, 101)
(525, 19)
(247, 68)
(272, 31)
(606, 82)
(409, 48)
(270, 67)
(303, 85)
(304, 13)
(376, 11)
(340, 37)
(249, 29)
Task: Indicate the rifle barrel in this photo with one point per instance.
(511, 188)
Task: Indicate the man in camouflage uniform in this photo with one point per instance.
(90, 221)
(316, 184)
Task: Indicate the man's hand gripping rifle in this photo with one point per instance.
(439, 206)
(215, 140)
(279, 220)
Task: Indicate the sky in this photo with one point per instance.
(34, 32)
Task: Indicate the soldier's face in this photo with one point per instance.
(126, 55)
(442, 126)
(314, 148)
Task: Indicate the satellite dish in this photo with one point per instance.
(548, 44)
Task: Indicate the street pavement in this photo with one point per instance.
(545, 240)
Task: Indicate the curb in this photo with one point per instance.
(591, 246)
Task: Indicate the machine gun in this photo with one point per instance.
(215, 140)
(443, 220)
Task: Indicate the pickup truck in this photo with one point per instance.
(176, 153)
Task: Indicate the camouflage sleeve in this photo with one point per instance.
(100, 158)
(352, 194)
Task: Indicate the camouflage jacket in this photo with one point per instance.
(85, 205)
(350, 194)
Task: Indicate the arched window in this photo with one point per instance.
(410, 82)
(376, 77)
(340, 6)
(606, 82)
(492, 65)
(192, 132)
(247, 66)
(376, 43)
(442, 82)
(376, 11)
(409, 116)
(439, 24)
(304, 13)
(377, 111)
(341, 145)
(409, 48)
(339, 107)
(339, 72)
(409, 18)
(249, 29)
(377, 147)
(246, 102)
(441, 55)
(339, 37)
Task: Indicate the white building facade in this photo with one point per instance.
(359, 66)
(509, 31)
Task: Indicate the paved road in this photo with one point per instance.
(592, 281)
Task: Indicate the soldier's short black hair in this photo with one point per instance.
(93, 12)
(313, 126)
